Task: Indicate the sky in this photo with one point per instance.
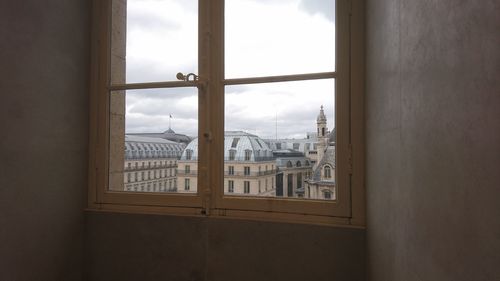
(262, 37)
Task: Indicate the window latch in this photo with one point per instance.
(191, 77)
(187, 77)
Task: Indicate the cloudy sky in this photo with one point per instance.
(263, 37)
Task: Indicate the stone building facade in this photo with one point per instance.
(151, 164)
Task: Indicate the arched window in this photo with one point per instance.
(327, 172)
(289, 164)
(307, 163)
(298, 164)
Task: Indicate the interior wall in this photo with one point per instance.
(44, 57)
(158, 247)
(433, 140)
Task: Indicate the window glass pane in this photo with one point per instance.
(264, 38)
(285, 137)
(153, 40)
(153, 140)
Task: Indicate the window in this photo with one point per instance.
(290, 185)
(246, 187)
(248, 154)
(327, 172)
(230, 186)
(232, 155)
(234, 144)
(327, 195)
(187, 169)
(296, 146)
(229, 79)
(230, 170)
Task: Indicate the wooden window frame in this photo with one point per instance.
(349, 206)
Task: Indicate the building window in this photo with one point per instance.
(278, 145)
(232, 155)
(328, 173)
(327, 195)
(234, 144)
(290, 185)
(246, 171)
(187, 169)
(296, 146)
(299, 180)
(230, 170)
(189, 153)
(248, 154)
(230, 186)
(246, 187)
(186, 184)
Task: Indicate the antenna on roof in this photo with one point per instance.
(169, 121)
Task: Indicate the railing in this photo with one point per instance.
(251, 174)
(139, 168)
(238, 159)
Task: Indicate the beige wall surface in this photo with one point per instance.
(433, 140)
(44, 75)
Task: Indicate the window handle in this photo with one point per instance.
(182, 77)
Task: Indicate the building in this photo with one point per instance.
(293, 168)
(249, 166)
(307, 146)
(150, 164)
(321, 185)
(168, 135)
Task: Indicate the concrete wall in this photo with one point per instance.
(153, 247)
(433, 140)
(44, 58)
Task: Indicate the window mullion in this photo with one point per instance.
(211, 101)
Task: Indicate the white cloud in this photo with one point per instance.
(262, 38)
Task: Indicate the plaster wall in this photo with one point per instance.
(433, 140)
(44, 57)
(158, 247)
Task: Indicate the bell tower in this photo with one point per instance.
(322, 134)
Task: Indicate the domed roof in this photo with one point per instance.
(321, 117)
(140, 147)
(238, 146)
